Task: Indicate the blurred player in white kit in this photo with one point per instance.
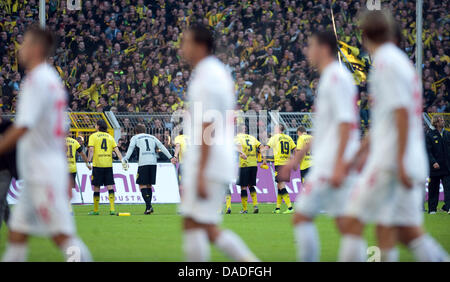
(39, 131)
(336, 140)
(389, 191)
(209, 164)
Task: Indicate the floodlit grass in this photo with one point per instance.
(158, 237)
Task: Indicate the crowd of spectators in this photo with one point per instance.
(122, 55)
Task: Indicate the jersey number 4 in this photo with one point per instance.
(104, 145)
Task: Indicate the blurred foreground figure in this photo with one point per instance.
(43, 206)
(389, 190)
(209, 164)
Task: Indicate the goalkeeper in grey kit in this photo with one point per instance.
(147, 164)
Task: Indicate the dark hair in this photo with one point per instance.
(102, 126)
(203, 35)
(301, 129)
(397, 34)
(140, 128)
(281, 127)
(44, 37)
(327, 38)
(377, 26)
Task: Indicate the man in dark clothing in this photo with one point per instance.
(438, 147)
(7, 172)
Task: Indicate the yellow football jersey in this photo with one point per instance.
(183, 141)
(104, 145)
(282, 146)
(250, 147)
(301, 142)
(72, 148)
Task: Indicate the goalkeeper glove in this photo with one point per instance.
(125, 165)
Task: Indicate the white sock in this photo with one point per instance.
(233, 246)
(74, 250)
(353, 248)
(426, 249)
(196, 245)
(307, 240)
(15, 252)
(389, 255)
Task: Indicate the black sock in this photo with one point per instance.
(147, 196)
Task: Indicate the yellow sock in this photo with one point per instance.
(228, 201)
(254, 196)
(244, 200)
(111, 200)
(96, 201)
(279, 200)
(286, 198)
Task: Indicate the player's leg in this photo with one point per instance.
(308, 205)
(228, 201)
(195, 241)
(408, 217)
(96, 181)
(252, 189)
(433, 194)
(72, 247)
(108, 181)
(16, 249)
(353, 246)
(244, 199)
(424, 247)
(387, 238)
(230, 244)
(282, 194)
(5, 180)
(306, 238)
(147, 194)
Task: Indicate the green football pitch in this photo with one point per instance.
(158, 237)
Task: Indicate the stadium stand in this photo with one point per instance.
(121, 56)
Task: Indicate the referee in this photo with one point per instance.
(147, 163)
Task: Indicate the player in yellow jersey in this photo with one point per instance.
(181, 143)
(248, 167)
(282, 146)
(101, 146)
(74, 147)
(303, 139)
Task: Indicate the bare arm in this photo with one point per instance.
(90, 154)
(204, 156)
(85, 159)
(10, 138)
(119, 155)
(401, 122)
(177, 150)
(340, 167)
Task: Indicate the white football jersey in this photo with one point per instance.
(395, 84)
(41, 109)
(211, 99)
(335, 104)
(147, 145)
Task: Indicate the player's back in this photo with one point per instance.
(395, 84)
(249, 146)
(72, 148)
(282, 146)
(146, 144)
(211, 100)
(41, 106)
(103, 144)
(335, 104)
(307, 159)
